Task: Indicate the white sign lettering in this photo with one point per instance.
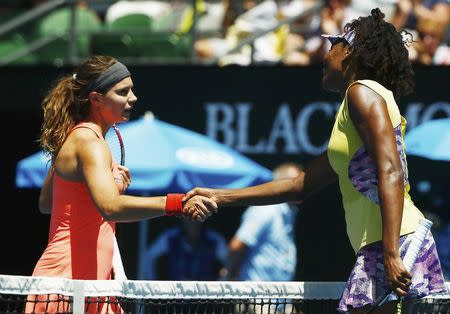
(290, 132)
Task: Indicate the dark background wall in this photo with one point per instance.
(278, 102)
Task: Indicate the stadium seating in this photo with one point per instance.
(150, 46)
(58, 23)
(132, 22)
(14, 43)
(139, 36)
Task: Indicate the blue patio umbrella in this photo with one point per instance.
(428, 150)
(430, 140)
(166, 158)
(31, 171)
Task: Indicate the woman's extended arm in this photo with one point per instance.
(317, 174)
(94, 162)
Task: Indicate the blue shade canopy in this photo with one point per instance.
(167, 158)
(430, 140)
(31, 171)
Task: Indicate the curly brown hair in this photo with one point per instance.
(67, 103)
(381, 52)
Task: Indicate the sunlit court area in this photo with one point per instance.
(225, 156)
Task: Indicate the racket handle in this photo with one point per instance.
(419, 235)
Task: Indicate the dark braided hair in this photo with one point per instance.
(381, 52)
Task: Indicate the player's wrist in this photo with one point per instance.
(221, 197)
(390, 256)
(174, 204)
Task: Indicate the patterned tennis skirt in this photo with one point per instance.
(367, 284)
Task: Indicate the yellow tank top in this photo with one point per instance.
(357, 173)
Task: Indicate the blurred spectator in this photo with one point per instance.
(174, 16)
(209, 48)
(188, 251)
(408, 12)
(246, 19)
(302, 33)
(362, 8)
(430, 47)
(222, 24)
(234, 8)
(332, 19)
(263, 248)
(210, 17)
(333, 16)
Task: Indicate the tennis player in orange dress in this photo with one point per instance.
(84, 186)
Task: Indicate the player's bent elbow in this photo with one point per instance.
(109, 213)
(392, 173)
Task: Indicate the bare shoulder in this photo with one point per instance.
(364, 102)
(83, 135)
(87, 145)
(80, 146)
(362, 95)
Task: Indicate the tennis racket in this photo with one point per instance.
(116, 146)
(410, 257)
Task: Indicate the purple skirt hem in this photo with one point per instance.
(366, 283)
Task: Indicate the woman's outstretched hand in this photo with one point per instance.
(206, 192)
(198, 207)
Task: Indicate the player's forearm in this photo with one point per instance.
(391, 194)
(317, 174)
(274, 192)
(126, 208)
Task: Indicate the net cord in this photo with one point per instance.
(24, 285)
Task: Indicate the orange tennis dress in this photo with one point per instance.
(81, 241)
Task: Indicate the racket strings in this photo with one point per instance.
(115, 143)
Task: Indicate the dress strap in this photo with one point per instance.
(86, 125)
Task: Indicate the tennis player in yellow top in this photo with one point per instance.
(368, 65)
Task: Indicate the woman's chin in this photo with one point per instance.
(126, 116)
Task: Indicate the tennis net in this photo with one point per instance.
(22, 294)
